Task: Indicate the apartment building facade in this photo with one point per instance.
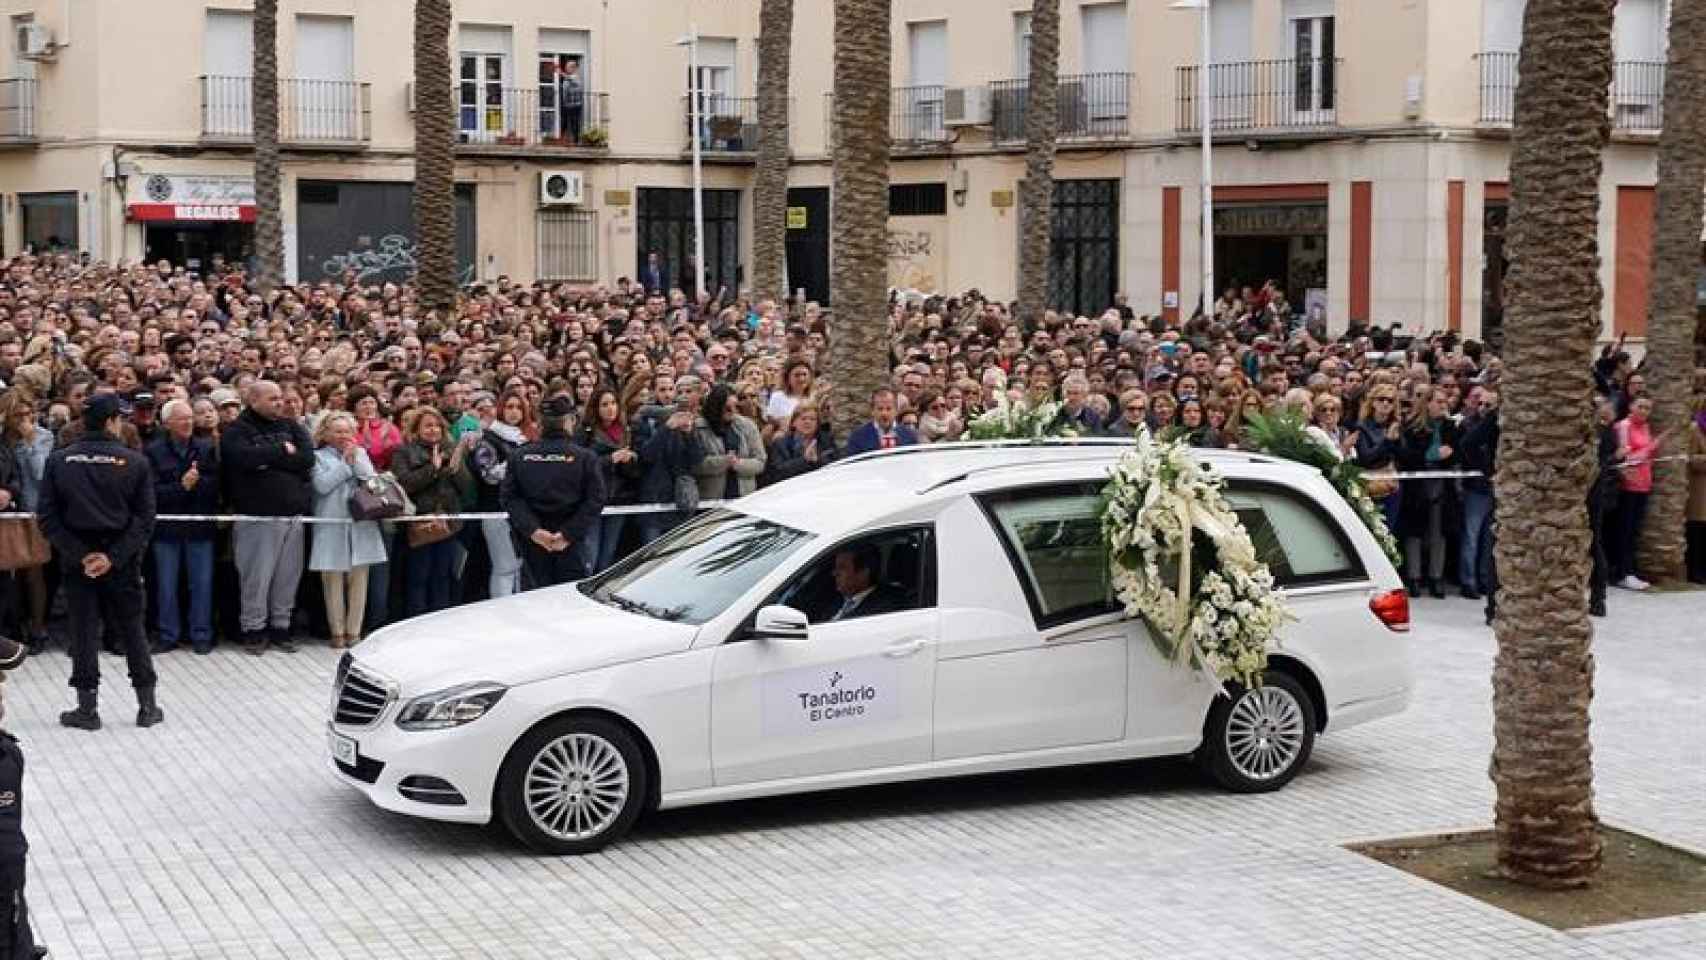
(1360, 148)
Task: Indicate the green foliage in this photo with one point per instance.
(1283, 434)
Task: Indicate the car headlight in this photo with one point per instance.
(451, 707)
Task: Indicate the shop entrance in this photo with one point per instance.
(1285, 243)
(194, 246)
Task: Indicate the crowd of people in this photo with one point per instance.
(276, 405)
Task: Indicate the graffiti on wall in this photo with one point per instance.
(915, 253)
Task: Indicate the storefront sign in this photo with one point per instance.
(192, 212)
(1270, 221)
(159, 197)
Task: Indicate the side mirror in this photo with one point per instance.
(779, 623)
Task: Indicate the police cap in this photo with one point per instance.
(557, 407)
(100, 408)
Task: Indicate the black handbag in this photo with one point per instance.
(379, 497)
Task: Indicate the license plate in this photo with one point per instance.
(343, 748)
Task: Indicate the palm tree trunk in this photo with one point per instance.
(1676, 264)
(435, 163)
(269, 205)
(770, 180)
(1542, 765)
(858, 347)
(1042, 128)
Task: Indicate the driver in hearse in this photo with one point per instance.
(855, 572)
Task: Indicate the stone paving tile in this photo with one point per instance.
(222, 835)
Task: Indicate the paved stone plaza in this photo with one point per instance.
(222, 834)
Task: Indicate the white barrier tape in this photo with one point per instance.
(617, 511)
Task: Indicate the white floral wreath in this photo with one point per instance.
(1212, 603)
(1019, 420)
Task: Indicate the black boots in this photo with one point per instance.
(281, 639)
(148, 712)
(254, 642)
(1435, 590)
(85, 716)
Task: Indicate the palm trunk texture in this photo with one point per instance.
(269, 205)
(1542, 764)
(770, 180)
(858, 348)
(1042, 128)
(1676, 261)
(435, 163)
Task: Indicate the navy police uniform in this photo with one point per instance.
(97, 496)
(16, 938)
(552, 484)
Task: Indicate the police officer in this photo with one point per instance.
(97, 509)
(553, 493)
(16, 938)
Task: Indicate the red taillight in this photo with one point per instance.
(1393, 609)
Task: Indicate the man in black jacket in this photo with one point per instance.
(553, 492)
(97, 509)
(267, 460)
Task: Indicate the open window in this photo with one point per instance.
(888, 572)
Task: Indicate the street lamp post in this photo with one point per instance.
(695, 106)
(1206, 121)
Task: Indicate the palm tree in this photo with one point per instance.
(770, 180)
(1676, 261)
(858, 349)
(435, 163)
(1042, 126)
(269, 215)
(1542, 765)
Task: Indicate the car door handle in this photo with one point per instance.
(905, 648)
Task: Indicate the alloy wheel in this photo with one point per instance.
(577, 786)
(1264, 733)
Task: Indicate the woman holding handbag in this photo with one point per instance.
(434, 474)
(342, 552)
(29, 443)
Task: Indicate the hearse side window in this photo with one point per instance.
(1296, 539)
(1054, 538)
(901, 570)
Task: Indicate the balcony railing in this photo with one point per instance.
(726, 124)
(310, 112)
(1261, 95)
(530, 117)
(1091, 106)
(1498, 86)
(17, 111)
(1638, 95)
(1637, 92)
(915, 117)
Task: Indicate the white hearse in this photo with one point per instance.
(915, 613)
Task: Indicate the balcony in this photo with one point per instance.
(915, 118)
(1091, 107)
(506, 119)
(726, 124)
(311, 113)
(17, 111)
(1637, 92)
(1261, 95)
(1638, 96)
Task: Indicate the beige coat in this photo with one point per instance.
(1697, 475)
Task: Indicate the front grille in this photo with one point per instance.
(360, 695)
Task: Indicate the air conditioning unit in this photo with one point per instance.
(409, 95)
(965, 107)
(35, 42)
(561, 188)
